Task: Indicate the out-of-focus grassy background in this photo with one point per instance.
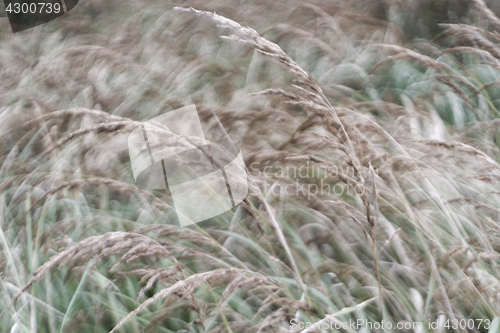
(412, 97)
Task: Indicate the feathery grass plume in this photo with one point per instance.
(268, 48)
(190, 283)
(481, 7)
(262, 45)
(471, 36)
(105, 245)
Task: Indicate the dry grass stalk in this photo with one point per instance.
(373, 236)
(457, 29)
(72, 112)
(463, 147)
(114, 184)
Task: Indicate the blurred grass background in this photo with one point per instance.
(407, 124)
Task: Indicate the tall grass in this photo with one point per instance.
(372, 154)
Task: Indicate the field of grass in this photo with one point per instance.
(369, 129)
